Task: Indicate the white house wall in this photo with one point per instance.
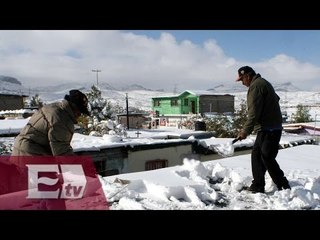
(174, 155)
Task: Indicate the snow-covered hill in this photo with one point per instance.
(11, 85)
(141, 97)
(234, 88)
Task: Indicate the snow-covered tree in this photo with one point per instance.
(302, 114)
(108, 127)
(35, 101)
(240, 117)
(117, 108)
(5, 148)
(221, 125)
(100, 108)
(103, 115)
(189, 122)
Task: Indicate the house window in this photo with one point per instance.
(174, 102)
(156, 103)
(186, 102)
(156, 164)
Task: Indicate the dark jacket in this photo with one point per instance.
(263, 107)
(48, 132)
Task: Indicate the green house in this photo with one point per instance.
(193, 102)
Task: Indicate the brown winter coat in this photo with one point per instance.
(48, 132)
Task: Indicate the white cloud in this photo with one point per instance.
(52, 57)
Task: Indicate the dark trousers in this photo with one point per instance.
(263, 158)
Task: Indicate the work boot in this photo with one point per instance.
(255, 189)
(284, 184)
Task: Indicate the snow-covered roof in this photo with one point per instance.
(202, 92)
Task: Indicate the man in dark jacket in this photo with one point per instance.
(49, 131)
(265, 118)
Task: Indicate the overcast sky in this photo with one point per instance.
(188, 59)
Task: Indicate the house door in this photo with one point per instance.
(193, 106)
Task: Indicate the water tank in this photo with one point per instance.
(200, 126)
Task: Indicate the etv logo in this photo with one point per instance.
(74, 181)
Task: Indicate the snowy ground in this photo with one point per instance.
(215, 185)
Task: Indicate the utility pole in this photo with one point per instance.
(175, 88)
(127, 107)
(315, 123)
(97, 71)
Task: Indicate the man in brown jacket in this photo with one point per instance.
(48, 133)
(265, 118)
(50, 130)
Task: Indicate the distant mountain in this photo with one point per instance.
(61, 87)
(86, 87)
(9, 79)
(286, 87)
(11, 85)
(105, 86)
(234, 88)
(135, 87)
(160, 90)
(138, 95)
(228, 88)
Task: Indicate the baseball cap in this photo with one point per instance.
(243, 70)
(79, 99)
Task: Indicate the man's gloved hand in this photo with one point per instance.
(242, 135)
